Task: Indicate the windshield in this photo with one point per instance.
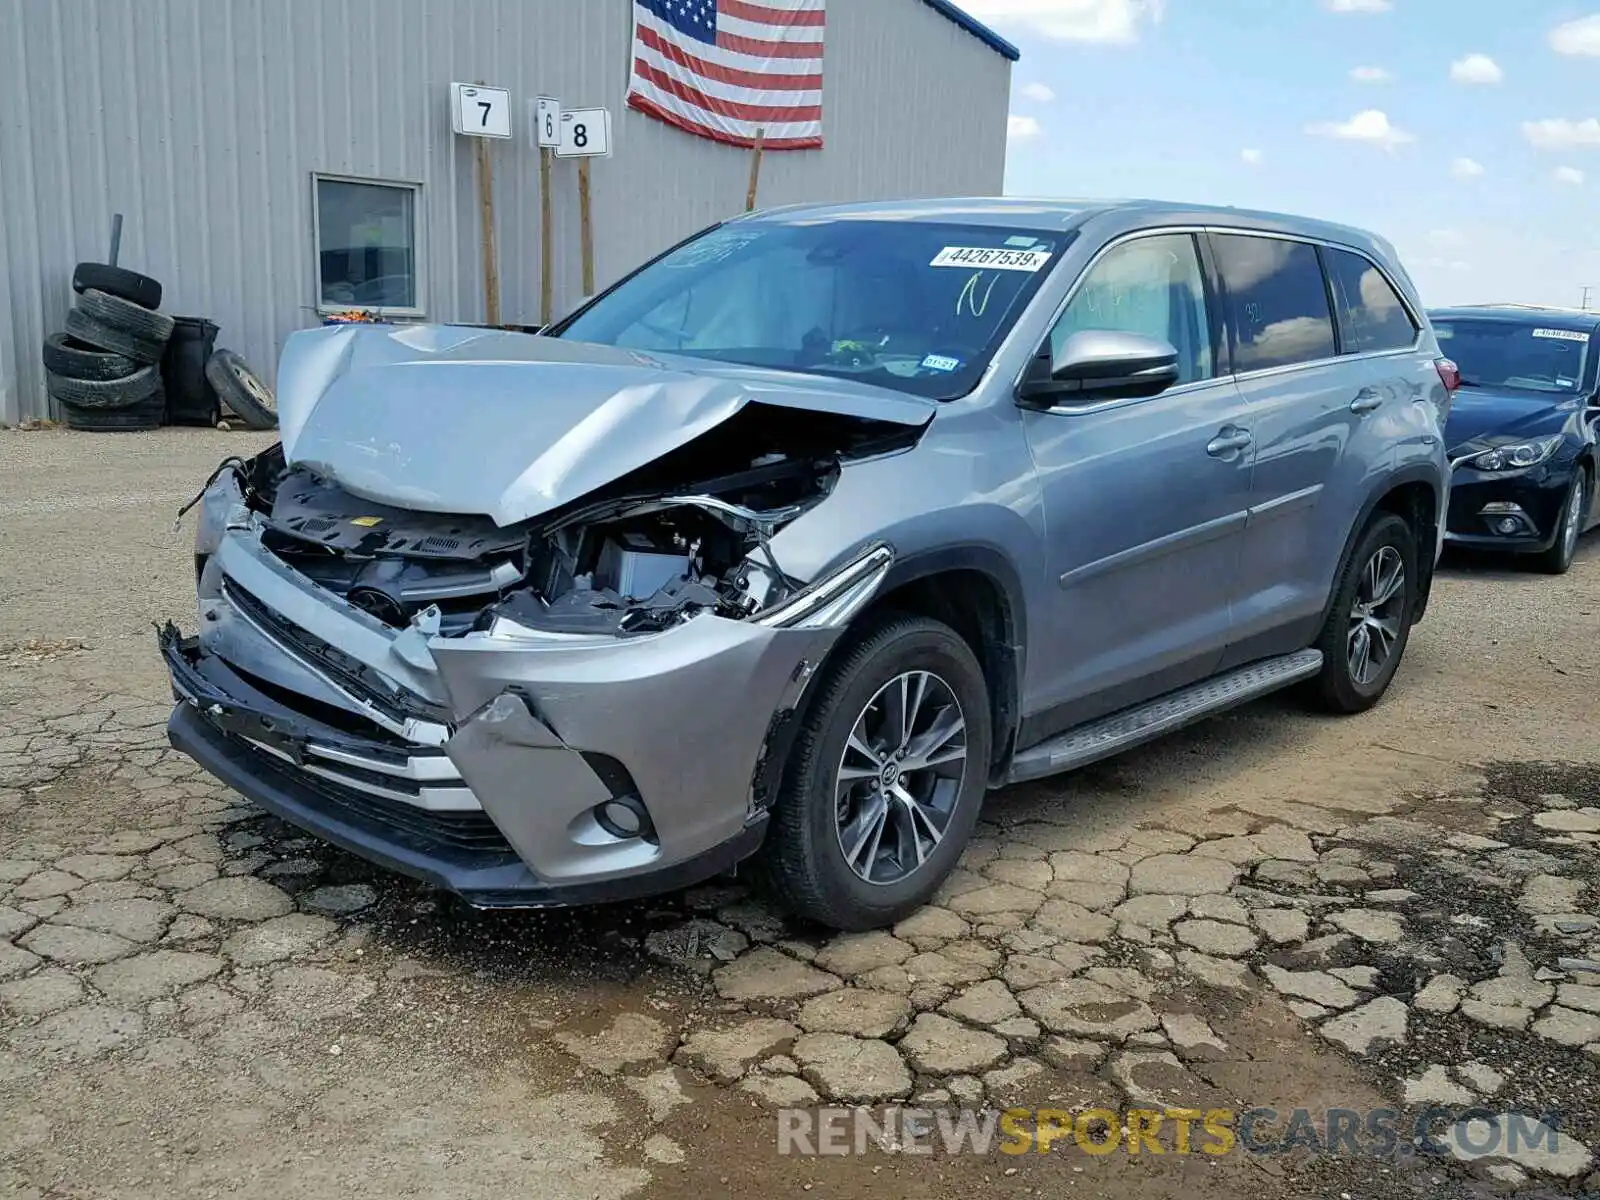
(911, 305)
(1501, 354)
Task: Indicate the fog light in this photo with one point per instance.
(624, 817)
(1507, 525)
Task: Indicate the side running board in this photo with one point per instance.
(1132, 726)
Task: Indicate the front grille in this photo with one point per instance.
(396, 703)
(466, 833)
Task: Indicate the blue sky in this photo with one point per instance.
(1465, 131)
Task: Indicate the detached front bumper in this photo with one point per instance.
(252, 743)
(1517, 512)
(490, 764)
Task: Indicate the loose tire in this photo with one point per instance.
(1574, 507)
(1369, 622)
(64, 356)
(144, 414)
(241, 390)
(125, 315)
(81, 327)
(875, 807)
(104, 393)
(117, 281)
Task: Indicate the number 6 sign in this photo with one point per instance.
(477, 111)
(546, 123)
(585, 133)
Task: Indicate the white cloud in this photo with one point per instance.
(1074, 20)
(1356, 6)
(1370, 125)
(1021, 128)
(1445, 237)
(1251, 157)
(1558, 133)
(1466, 168)
(1568, 175)
(1370, 75)
(1040, 92)
(1476, 68)
(1580, 37)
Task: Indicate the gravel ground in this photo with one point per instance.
(1271, 909)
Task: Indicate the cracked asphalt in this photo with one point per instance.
(1400, 910)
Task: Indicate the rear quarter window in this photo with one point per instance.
(1277, 301)
(1372, 317)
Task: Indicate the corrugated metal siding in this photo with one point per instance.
(203, 121)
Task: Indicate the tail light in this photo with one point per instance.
(1449, 374)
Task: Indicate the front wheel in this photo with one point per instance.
(885, 779)
(1575, 505)
(1369, 621)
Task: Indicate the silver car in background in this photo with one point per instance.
(805, 535)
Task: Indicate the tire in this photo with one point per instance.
(117, 313)
(1340, 688)
(83, 328)
(104, 393)
(144, 414)
(117, 281)
(241, 390)
(64, 356)
(804, 861)
(1574, 508)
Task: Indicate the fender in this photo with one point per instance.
(1002, 660)
(1418, 472)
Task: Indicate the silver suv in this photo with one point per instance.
(801, 538)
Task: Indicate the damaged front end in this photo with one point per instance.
(582, 705)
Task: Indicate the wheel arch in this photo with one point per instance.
(1414, 494)
(975, 590)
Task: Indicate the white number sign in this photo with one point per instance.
(480, 111)
(546, 123)
(585, 132)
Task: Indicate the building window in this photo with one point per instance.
(367, 244)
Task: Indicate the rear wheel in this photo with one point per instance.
(1574, 507)
(886, 777)
(1369, 622)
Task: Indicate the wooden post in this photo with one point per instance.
(546, 239)
(755, 171)
(491, 263)
(585, 228)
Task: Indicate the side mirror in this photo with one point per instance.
(1101, 364)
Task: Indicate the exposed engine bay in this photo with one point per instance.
(688, 533)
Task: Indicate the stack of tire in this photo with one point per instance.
(104, 371)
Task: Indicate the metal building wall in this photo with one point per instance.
(203, 121)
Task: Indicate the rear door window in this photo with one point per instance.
(1277, 301)
(1372, 317)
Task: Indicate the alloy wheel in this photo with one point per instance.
(900, 776)
(1375, 618)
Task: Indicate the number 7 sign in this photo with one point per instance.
(478, 111)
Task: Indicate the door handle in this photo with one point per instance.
(1366, 401)
(1228, 441)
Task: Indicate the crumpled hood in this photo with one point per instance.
(1478, 413)
(473, 421)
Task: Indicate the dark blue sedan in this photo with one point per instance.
(1521, 432)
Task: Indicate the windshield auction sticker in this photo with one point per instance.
(989, 258)
(1564, 335)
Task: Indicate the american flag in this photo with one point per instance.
(723, 69)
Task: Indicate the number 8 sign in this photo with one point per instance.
(585, 133)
